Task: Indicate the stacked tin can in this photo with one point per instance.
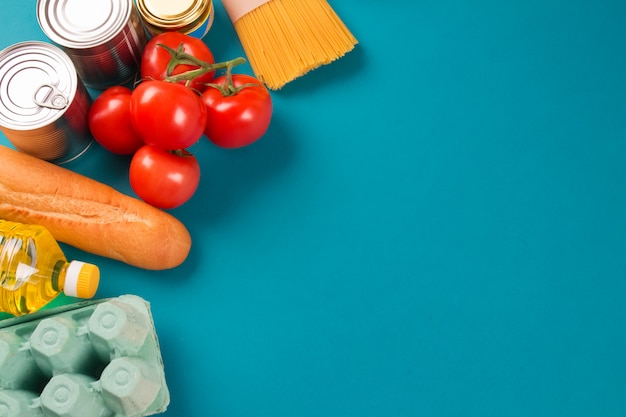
(103, 38)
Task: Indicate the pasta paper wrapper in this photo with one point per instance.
(238, 8)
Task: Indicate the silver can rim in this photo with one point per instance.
(57, 53)
(59, 33)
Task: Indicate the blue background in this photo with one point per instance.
(434, 225)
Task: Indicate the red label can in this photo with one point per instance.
(104, 38)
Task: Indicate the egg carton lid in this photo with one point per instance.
(145, 358)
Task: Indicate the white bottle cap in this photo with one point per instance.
(81, 280)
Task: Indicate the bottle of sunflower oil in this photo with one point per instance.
(34, 270)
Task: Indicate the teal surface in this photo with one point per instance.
(434, 225)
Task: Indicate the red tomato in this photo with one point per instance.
(109, 121)
(155, 59)
(164, 179)
(239, 116)
(167, 115)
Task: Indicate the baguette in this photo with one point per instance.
(88, 214)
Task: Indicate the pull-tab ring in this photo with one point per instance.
(55, 99)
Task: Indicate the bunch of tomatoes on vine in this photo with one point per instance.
(178, 100)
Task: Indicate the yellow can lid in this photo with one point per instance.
(81, 280)
(172, 14)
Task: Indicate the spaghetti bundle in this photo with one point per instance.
(284, 39)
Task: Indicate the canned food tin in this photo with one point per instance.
(44, 106)
(191, 17)
(104, 38)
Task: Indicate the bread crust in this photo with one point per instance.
(88, 214)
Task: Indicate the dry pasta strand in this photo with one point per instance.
(285, 39)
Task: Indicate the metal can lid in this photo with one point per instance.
(38, 82)
(81, 24)
(172, 15)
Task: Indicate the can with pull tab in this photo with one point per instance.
(44, 105)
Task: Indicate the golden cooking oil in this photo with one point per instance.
(34, 270)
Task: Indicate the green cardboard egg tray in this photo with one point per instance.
(96, 358)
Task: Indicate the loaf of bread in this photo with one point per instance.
(88, 214)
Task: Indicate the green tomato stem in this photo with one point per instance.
(228, 87)
(180, 57)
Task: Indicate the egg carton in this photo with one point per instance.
(90, 359)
